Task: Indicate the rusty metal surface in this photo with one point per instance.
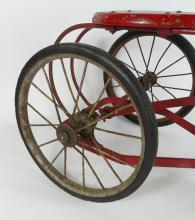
(146, 19)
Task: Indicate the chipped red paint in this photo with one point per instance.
(146, 19)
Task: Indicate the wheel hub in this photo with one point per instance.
(81, 120)
(148, 80)
(66, 135)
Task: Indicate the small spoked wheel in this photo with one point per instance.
(164, 66)
(87, 150)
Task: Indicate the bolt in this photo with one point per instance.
(178, 20)
(64, 138)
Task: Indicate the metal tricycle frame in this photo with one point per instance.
(143, 23)
(59, 102)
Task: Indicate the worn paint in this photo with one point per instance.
(169, 20)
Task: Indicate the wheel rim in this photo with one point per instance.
(151, 74)
(67, 131)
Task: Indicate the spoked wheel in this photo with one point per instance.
(85, 149)
(165, 68)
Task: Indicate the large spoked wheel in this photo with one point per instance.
(165, 68)
(85, 149)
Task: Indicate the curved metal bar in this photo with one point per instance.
(76, 27)
(81, 35)
(87, 27)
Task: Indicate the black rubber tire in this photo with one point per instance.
(131, 85)
(184, 45)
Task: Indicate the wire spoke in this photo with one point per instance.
(174, 88)
(184, 74)
(68, 83)
(116, 86)
(108, 163)
(162, 87)
(104, 117)
(58, 154)
(108, 155)
(50, 99)
(151, 50)
(170, 65)
(134, 67)
(43, 117)
(79, 92)
(117, 133)
(55, 105)
(48, 142)
(90, 166)
(152, 95)
(99, 97)
(137, 71)
(139, 44)
(42, 125)
(65, 162)
(162, 56)
(83, 166)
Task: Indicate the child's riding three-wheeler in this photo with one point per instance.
(89, 118)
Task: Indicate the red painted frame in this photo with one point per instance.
(164, 24)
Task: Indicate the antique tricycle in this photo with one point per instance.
(89, 118)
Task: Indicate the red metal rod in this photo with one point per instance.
(165, 162)
(133, 160)
(174, 162)
(179, 120)
(90, 146)
(160, 107)
(172, 103)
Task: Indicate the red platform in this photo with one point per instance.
(144, 19)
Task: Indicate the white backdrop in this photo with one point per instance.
(25, 193)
